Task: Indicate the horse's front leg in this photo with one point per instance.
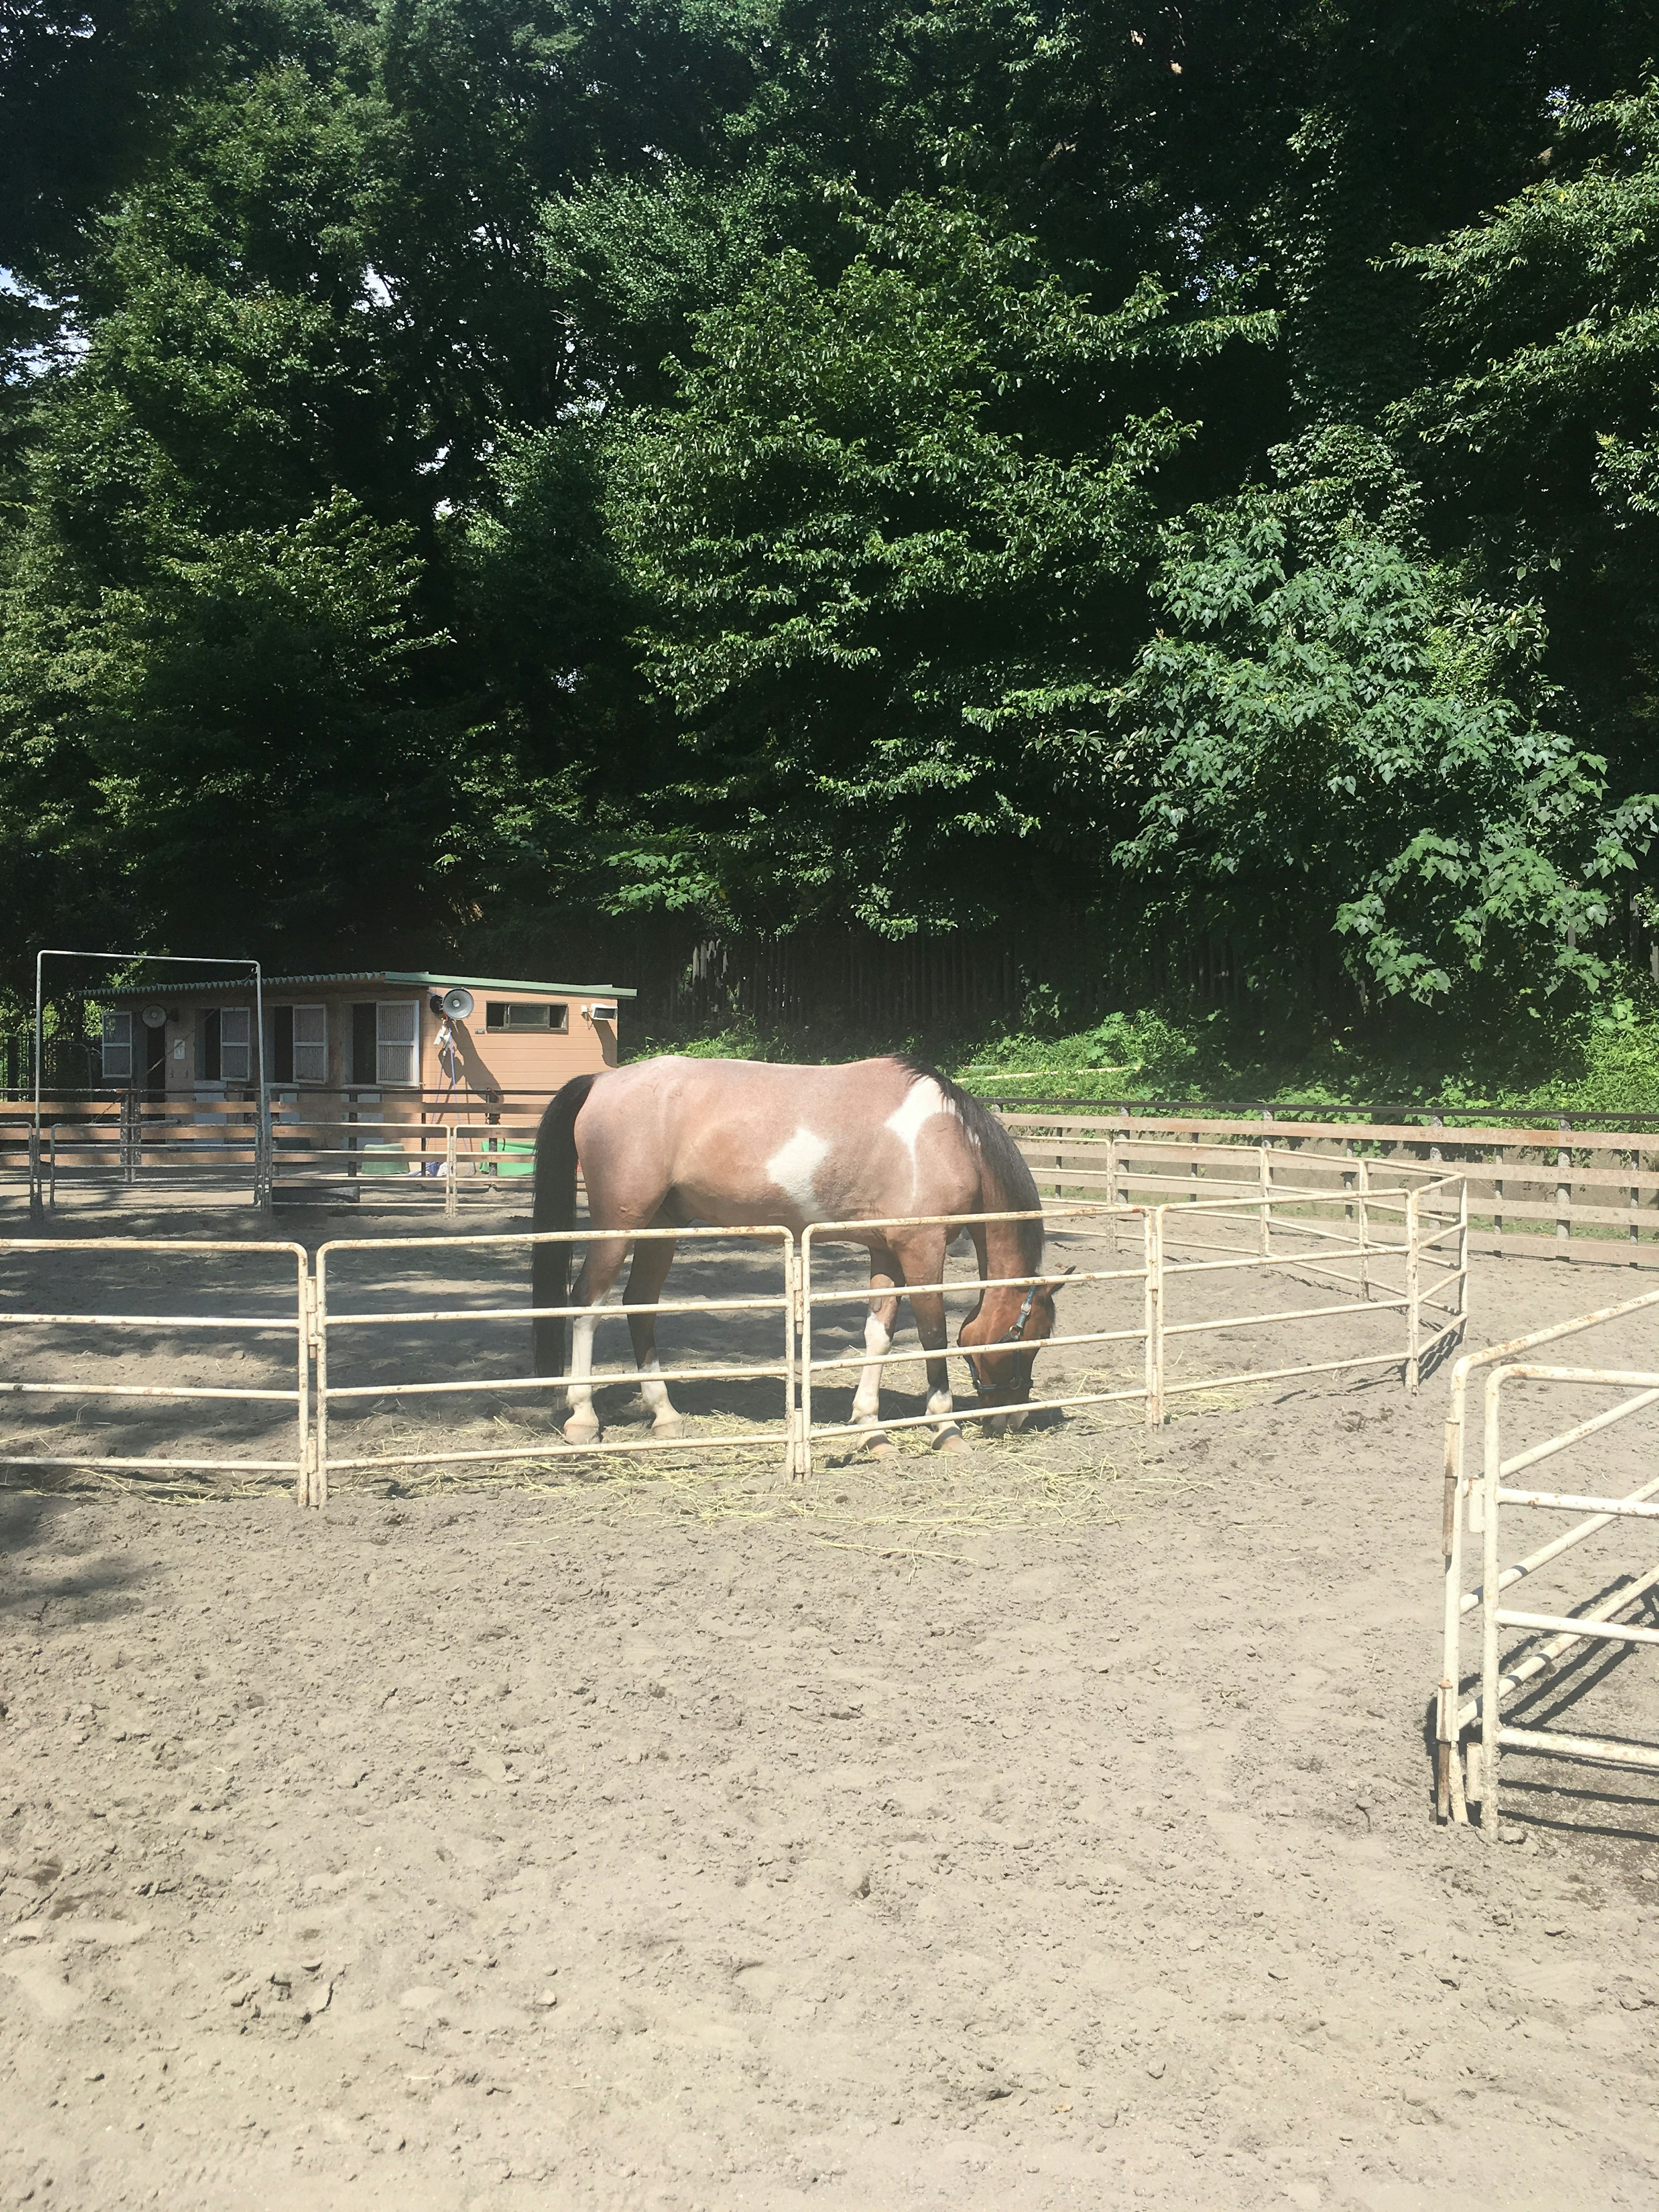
(929, 1307)
(599, 1270)
(878, 1341)
(653, 1257)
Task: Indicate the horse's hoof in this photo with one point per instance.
(881, 1448)
(581, 1429)
(668, 1424)
(952, 1441)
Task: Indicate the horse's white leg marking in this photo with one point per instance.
(583, 1424)
(866, 1406)
(921, 1102)
(793, 1166)
(655, 1394)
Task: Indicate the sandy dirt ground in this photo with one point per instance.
(1045, 1827)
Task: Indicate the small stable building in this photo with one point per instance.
(401, 1040)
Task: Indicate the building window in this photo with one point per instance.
(508, 1014)
(299, 1044)
(236, 1044)
(396, 1034)
(117, 1040)
(225, 1045)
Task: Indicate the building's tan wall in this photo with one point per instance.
(497, 1061)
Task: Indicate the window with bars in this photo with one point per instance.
(224, 1051)
(396, 1034)
(117, 1040)
(299, 1044)
(236, 1044)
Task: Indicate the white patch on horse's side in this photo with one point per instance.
(921, 1102)
(793, 1166)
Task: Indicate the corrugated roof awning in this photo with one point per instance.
(404, 977)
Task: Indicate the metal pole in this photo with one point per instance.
(319, 1485)
(1413, 1331)
(262, 1178)
(451, 1162)
(1264, 1228)
(805, 1455)
(1154, 1310)
(1489, 1578)
(37, 1208)
(792, 1451)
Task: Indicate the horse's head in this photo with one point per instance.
(1002, 1337)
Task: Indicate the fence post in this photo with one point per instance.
(1363, 1186)
(796, 1448)
(129, 1136)
(37, 1202)
(1489, 1594)
(319, 1353)
(804, 1296)
(451, 1162)
(1462, 1252)
(264, 1148)
(1635, 1160)
(304, 1492)
(1562, 1190)
(1154, 1316)
(1414, 1235)
(1265, 1211)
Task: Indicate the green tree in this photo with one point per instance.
(1330, 738)
(887, 542)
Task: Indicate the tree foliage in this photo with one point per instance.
(466, 460)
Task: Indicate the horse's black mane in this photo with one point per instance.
(1010, 1185)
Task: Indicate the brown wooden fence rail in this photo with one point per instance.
(1591, 1195)
(1569, 1193)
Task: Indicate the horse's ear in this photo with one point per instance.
(1059, 1281)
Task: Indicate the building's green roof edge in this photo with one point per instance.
(367, 975)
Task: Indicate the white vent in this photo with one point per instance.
(311, 1044)
(396, 1029)
(117, 1041)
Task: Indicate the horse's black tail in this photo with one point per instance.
(555, 1208)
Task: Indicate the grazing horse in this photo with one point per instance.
(746, 1143)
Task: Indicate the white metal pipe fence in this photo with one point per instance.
(1402, 1259)
(330, 1322)
(1469, 1773)
(295, 1465)
(1429, 1219)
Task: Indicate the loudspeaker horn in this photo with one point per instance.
(458, 1004)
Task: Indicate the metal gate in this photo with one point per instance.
(78, 1325)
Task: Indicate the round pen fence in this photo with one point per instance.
(124, 1382)
(769, 1255)
(411, 1352)
(1527, 1655)
(1400, 1253)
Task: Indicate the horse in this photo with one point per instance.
(666, 1142)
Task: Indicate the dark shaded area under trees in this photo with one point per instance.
(1164, 501)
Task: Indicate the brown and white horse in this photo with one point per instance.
(746, 1143)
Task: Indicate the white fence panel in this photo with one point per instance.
(61, 1319)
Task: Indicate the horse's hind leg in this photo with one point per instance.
(652, 1256)
(877, 1339)
(599, 1270)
